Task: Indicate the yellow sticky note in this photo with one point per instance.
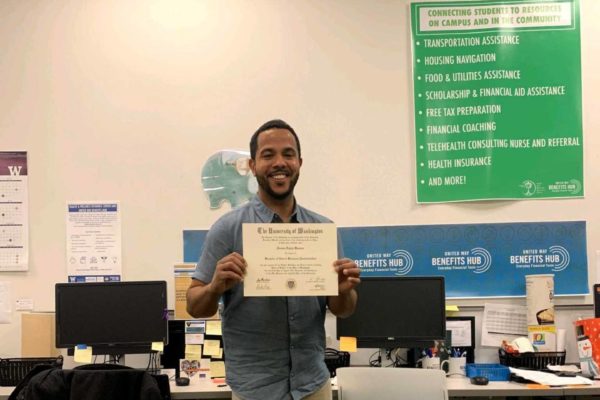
(217, 369)
(83, 354)
(158, 346)
(348, 343)
(450, 308)
(220, 354)
(193, 351)
(213, 327)
(212, 347)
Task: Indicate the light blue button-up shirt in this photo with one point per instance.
(274, 346)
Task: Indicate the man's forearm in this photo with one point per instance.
(342, 305)
(202, 302)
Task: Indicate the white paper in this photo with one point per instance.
(503, 322)
(461, 333)
(194, 338)
(24, 304)
(290, 259)
(93, 241)
(14, 215)
(5, 303)
(550, 379)
(564, 368)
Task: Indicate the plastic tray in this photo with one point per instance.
(537, 361)
(13, 370)
(494, 372)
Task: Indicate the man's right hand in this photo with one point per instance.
(203, 298)
(230, 271)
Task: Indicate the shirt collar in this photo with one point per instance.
(267, 215)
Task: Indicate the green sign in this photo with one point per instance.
(497, 94)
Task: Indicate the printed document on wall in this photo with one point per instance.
(93, 241)
(503, 322)
(14, 234)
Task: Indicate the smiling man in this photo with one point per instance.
(274, 346)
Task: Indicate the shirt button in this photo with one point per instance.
(292, 347)
(292, 374)
(292, 318)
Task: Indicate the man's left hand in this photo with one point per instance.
(348, 274)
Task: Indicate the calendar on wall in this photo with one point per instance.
(14, 236)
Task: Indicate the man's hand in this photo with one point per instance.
(230, 271)
(344, 303)
(203, 298)
(348, 274)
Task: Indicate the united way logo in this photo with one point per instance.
(291, 284)
(403, 261)
(482, 260)
(558, 257)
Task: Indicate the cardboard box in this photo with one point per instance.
(38, 335)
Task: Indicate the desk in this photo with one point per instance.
(457, 388)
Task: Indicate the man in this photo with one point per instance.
(274, 346)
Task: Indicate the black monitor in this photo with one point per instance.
(397, 312)
(112, 317)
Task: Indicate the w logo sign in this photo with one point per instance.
(15, 170)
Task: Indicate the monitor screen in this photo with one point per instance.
(124, 316)
(397, 312)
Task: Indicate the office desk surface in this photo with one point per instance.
(456, 388)
(461, 387)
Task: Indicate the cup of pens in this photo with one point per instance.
(430, 360)
(457, 364)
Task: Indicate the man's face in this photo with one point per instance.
(277, 164)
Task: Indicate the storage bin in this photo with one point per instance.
(494, 372)
(537, 360)
(13, 370)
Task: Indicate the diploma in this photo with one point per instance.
(290, 259)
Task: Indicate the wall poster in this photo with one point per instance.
(14, 214)
(94, 241)
(497, 94)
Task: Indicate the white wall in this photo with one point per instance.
(124, 100)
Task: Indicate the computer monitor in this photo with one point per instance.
(397, 312)
(111, 317)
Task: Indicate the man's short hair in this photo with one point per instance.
(272, 124)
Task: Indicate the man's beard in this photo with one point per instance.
(263, 182)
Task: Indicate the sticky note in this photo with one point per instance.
(212, 347)
(193, 351)
(213, 327)
(217, 369)
(220, 356)
(450, 308)
(158, 346)
(83, 354)
(348, 343)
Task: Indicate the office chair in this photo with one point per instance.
(93, 382)
(368, 383)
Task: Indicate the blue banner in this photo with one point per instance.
(476, 260)
(193, 240)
